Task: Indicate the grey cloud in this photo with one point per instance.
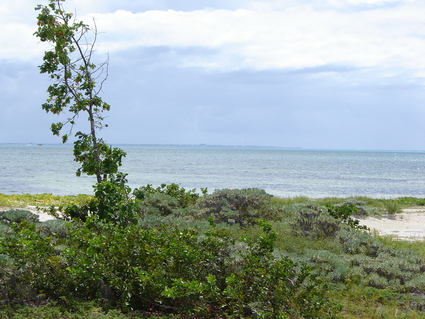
(154, 104)
(155, 101)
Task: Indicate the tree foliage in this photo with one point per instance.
(76, 88)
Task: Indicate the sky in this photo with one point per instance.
(322, 74)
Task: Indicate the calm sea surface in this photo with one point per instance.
(281, 172)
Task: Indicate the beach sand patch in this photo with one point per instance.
(409, 225)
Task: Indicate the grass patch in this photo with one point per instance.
(392, 207)
(78, 310)
(415, 245)
(411, 201)
(24, 200)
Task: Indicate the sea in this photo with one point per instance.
(283, 172)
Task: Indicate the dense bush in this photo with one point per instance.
(111, 202)
(236, 206)
(324, 222)
(159, 203)
(402, 270)
(17, 216)
(54, 227)
(184, 197)
(165, 200)
(344, 213)
(360, 207)
(32, 261)
(166, 269)
(329, 265)
(361, 243)
(315, 221)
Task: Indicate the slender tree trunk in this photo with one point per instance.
(95, 145)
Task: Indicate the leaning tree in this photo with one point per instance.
(76, 87)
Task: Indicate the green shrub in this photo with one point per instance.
(237, 206)
(161, 204)
(140, 266)
(329, 265)
(173, 262)
(372, 259)
(392, 207)
(17, 216)
(355, 242)
(344, 213)
(54, 227)
(271, 287)
(33, 260)
(376, 281)
(185, 198)
(3, 229)
(178, 269)
(9, 288)
(415, 285)
(362, 207)
(111, 202)
(314, 221)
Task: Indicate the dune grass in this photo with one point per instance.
(24, 200)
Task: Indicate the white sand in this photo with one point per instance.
(410, 225)
(41, 216)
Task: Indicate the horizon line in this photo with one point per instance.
(233, 146)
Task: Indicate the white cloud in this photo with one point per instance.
(18, 42)
(374, 2)
(263, 35)
(296, 37)
(321, 4)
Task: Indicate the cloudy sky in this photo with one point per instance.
(334, 74)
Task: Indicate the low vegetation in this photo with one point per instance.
(40, 200)
(167, 252)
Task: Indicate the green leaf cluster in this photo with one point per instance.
(236, 206)
(96, 157)
(183, 196)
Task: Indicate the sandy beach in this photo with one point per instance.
(409, 225)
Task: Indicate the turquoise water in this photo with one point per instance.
(281, 172)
